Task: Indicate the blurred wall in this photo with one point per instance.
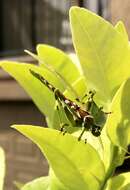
(120, 10)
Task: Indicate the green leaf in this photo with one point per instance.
(60, 64)
(40, 94)
(105, 148)
(121, 28)
(55, 184)
(103, 52)
(59, 60)
(43, 98)
(119, 182)
(118, 123)
(18, 184)
(2, 168)
(76, 164)
(79, 86)
(50, 182)
(58, 70)
(41, 183)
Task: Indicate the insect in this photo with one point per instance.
(75, 114)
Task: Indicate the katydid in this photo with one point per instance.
(75, 114)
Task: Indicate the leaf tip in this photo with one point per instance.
(13, 126)
(19, 127)
(73, 9)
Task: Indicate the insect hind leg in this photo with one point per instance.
(62, 125)
(81, 134)
(81, 100)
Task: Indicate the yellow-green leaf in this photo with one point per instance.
(59, 61)
(119, 182)
(40, 94)
(118, 123)
(121, 28)
(103, 52)
(75, 163)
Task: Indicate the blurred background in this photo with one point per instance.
(23, 24)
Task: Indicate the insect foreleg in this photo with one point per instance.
(107, 113)
(90, 101)
(86, 124)
(82, 99)
(80, 136)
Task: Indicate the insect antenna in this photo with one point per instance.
(43, 80)
(55, 72)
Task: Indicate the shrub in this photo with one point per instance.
(103, 51)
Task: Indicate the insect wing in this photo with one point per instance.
(98, 114)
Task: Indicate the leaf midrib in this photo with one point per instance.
(68, 160)
(99, 60)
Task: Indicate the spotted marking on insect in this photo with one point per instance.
(67, 101)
